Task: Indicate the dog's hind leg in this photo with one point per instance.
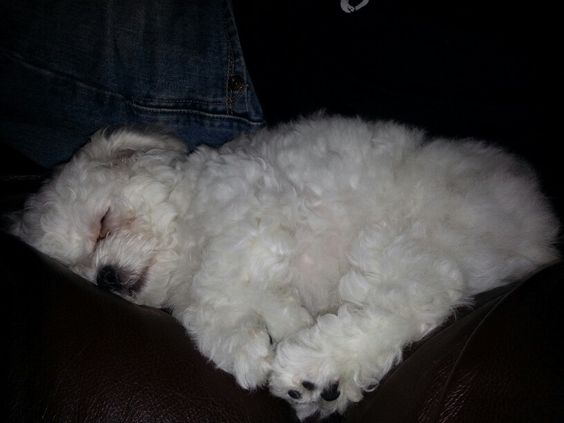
(396, 290)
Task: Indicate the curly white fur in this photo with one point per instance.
(303, 257)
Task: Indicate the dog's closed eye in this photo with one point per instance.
(104, 227)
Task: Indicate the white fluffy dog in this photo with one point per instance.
(303, 257)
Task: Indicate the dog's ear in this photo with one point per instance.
(119, 145)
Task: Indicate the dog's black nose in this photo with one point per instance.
(294, 394)
(108, 278)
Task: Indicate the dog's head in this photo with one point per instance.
(108, 213)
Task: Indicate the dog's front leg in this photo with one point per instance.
(235, 339)
(240, 336)
(326, 367)
(241, 302)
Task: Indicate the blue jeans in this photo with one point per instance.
(68, 68)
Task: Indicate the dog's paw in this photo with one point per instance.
(253, 361)
(311, 380)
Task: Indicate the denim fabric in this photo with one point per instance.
(68, 68)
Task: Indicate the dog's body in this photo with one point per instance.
(304, 257)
